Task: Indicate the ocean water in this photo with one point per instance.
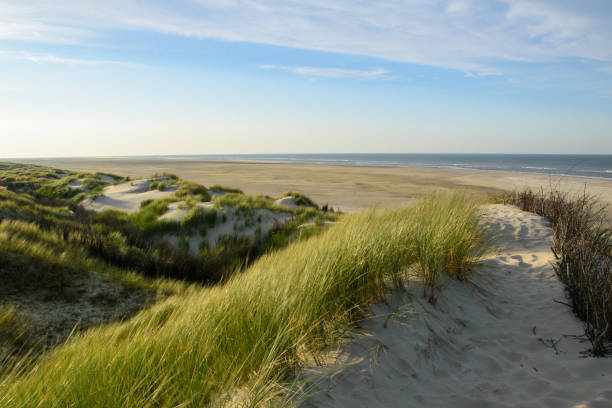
(590, 166)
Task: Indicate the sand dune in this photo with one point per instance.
(499, 341)
(127, 196)
(75, 184)
(178, 210)
(232, 224)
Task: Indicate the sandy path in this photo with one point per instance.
(485, 344)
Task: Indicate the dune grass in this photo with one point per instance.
(39, 267)
(34, 257)
(226, 189)
(242, 202)
(243, 341)
(300, 199)
(448, 239)
(583, 248)
(53, 184)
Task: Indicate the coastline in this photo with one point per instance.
(345, 187)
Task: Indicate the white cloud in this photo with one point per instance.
(469, 35)
(330, 72)
(48, 58)
(481, 74)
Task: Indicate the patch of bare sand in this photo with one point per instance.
(231, 223)
(127, 196)
(286, 202)
(500, 340)
(106, 178)
(178, 210)
(76, 184)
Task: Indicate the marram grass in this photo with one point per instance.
(239, 342)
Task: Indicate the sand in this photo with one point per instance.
(107, 179)
(234, 225)
(343, 187)
(76, 184)
(286, 202)
(487, 343)
(126, 196)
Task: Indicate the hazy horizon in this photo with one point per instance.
(125, 78)
(284, 154)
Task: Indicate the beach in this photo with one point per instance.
(447, 301)
(347, 188)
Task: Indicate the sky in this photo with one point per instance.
(134, 77)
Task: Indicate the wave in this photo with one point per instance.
(539, 168)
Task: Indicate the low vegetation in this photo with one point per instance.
(54, 253)
(583, 248)
(300, 199)
(242, 202)
(448, 239)
(48, 286)
(225, 189)
(47, 183)
(240, 343)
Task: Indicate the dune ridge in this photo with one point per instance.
(500, 340)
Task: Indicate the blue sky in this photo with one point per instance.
(93, 78)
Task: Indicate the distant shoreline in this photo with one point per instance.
(580, 166)
(348, 188)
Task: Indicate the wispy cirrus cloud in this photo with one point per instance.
(53, 59)
(474, 36)
(332, 72)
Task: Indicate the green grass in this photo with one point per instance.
(189, 190)
(13, 336)
(291, 230)
(218, 187)
(32, 257)
(300, 199)
(242, 202)
(42, 264)
(51, 183)
(252, 333)
(147, 217)
(448, 239)
(198, 217)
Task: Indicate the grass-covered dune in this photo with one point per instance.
(66, 266)
(240, 343)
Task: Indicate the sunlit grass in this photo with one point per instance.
(243, 339)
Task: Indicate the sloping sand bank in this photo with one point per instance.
(127, 196)
(498, 341)
(232, 225)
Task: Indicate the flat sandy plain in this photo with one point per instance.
(347, 188)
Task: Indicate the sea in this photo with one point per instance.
(589, 166)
